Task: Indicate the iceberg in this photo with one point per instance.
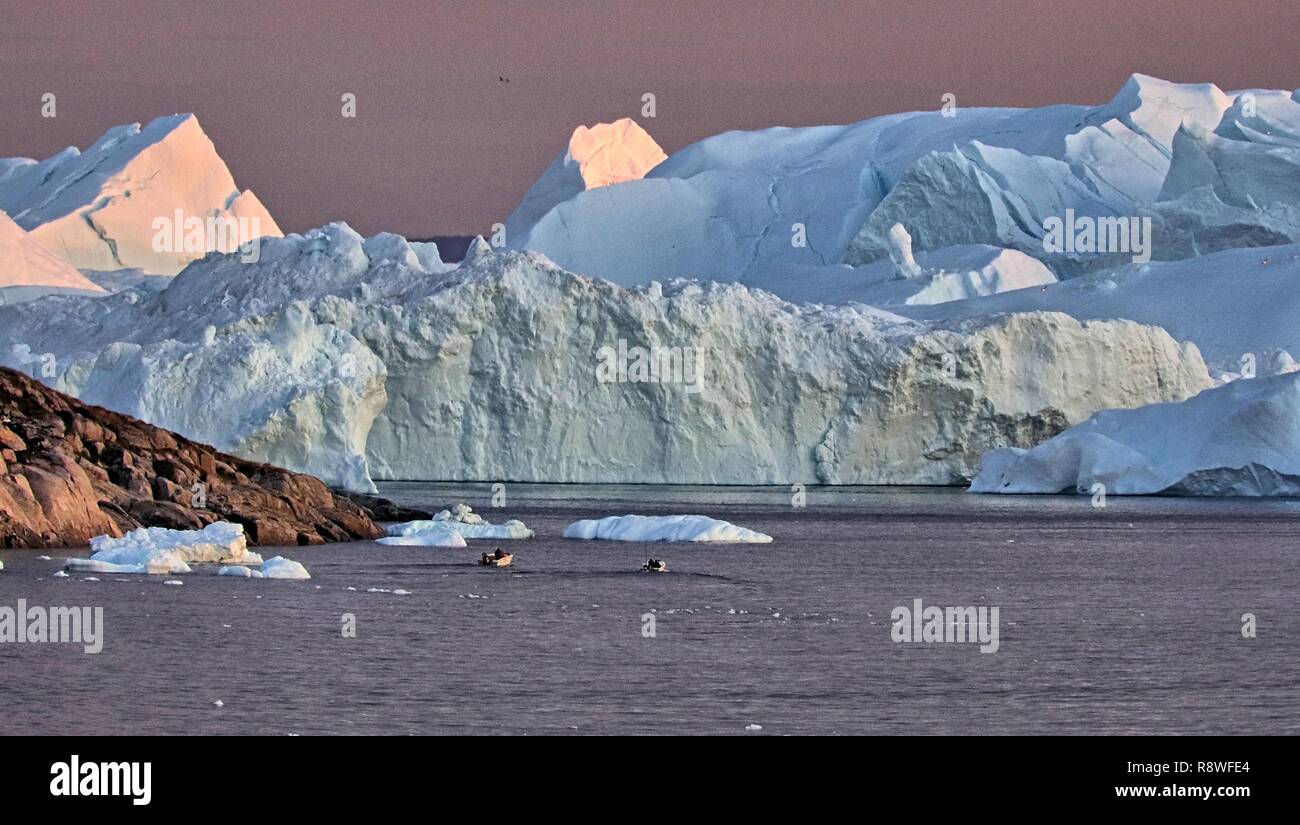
(158, 550)
(743, 205)
(29, 270)
(423, 534)
(100, 209)
(450, 528)
(597, 156)
(1234, 305)
(663, 528)
(281, 568)
(1241, 439)
(323, 360)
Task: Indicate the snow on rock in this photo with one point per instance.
(29, 270)
(160, 550)
(114, 206)
(489, 370)
(663, 528)
(1241, 439)
(282, 568)
(423, 534)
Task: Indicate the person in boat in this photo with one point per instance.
(499, 554)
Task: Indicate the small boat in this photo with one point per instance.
(493, 560)
(655, 566)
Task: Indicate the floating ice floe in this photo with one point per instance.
(158, 550)
(423, 534)
(663, 528)
(240, 571)
(460, 520)
(282, 568)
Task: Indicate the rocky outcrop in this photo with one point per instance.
(70, 471)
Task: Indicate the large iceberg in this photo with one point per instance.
(115, 205)
(331, 358)
(1239, 439)
(743, 205)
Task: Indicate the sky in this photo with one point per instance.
(461, 106)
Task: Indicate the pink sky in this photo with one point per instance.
(440, 145)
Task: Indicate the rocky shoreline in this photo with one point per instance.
(71, 471)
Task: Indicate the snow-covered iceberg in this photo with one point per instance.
(741, 204)
(663, 528)
(1239, 439)
(354, 359)
(158, 550)
(115, 205)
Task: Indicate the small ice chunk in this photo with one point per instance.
(241, 571)
(282, 568)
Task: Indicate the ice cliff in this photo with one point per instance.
(356, 359)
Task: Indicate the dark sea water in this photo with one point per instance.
(1125, 619)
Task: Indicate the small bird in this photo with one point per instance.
(503, 79)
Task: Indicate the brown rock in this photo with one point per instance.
(86, 471)
(10, 440)
(164, 490)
